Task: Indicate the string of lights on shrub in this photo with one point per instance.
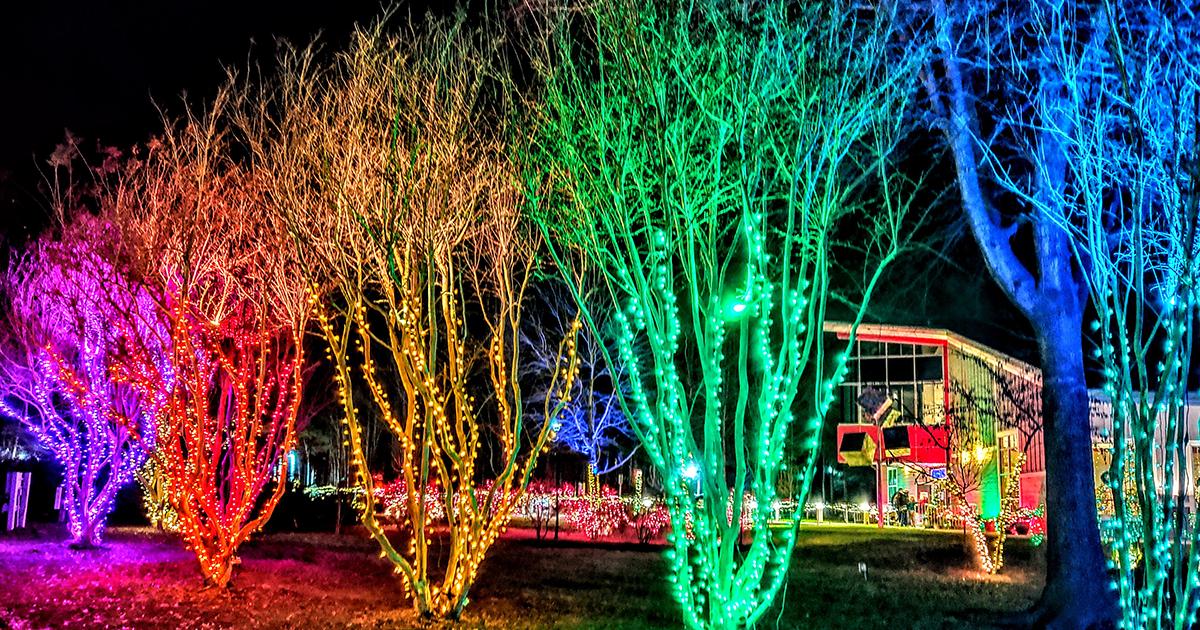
(224, 466)
(714, 241)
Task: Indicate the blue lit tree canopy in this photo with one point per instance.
(1115, 122)
(592, 422)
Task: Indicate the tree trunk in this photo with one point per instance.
(221, 572)
(1053, 301)
(557, 500)
(1076, 593)
(87, 535)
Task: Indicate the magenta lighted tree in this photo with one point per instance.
(71, 310)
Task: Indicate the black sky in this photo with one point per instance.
(97, 67)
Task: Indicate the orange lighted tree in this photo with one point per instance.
(398, 189)
(236, 310)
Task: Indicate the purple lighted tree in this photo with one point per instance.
(70, 312)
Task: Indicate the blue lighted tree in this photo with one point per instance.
(979, 84)
(1114, 119)
(593, 423)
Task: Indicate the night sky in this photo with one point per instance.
(99, 67)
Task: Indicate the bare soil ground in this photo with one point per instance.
(145, 579)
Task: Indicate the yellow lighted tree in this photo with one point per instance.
(397, 187)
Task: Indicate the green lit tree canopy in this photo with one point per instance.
(703, 158)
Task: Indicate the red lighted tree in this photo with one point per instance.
(229, 424)
(236, 312)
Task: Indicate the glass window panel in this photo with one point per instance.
(851, 371)
(870, 348)
(845, 404)
(900, 370)
(908, 398)
(873, 370)
(928, 369)
(932, 401)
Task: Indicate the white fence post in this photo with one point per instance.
(16, 488)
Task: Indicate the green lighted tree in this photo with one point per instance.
(702, 158)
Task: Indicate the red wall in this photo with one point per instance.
(925, 443)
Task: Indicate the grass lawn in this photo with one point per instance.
(143, 579)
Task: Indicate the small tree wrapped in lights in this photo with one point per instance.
(155, 501)
(986, 396)
(225, 465)
(421, 261)
(701, 158)
(71, 307)
(236, 310)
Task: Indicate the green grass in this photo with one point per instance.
(916, 579)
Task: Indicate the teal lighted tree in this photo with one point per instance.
(704, 159)
(1114, 127)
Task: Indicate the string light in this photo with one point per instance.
(717, 277)
(440, 445)
(224, 466)
(75, 311)
(394, 314)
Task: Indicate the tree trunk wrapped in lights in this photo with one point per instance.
(702, 158)
(987, 396)
(236, 310)
(227, 428)
(155, 502)
(1116, 125)
(416, 247)
(965, 469)
(70, 310)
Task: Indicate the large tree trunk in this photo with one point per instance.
(1052, 298)
(87, 534)
(1076, 595)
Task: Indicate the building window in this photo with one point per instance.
(896, 479)
(1008, 451)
